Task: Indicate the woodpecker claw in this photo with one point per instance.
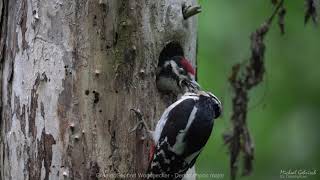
(134, 128)
(141, 123)
(137, 113)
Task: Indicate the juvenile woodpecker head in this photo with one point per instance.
(176, 75)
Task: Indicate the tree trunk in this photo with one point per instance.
(71, 72)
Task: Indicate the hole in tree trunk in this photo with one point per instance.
(167, 84)
(170, 50)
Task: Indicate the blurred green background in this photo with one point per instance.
(284, 110)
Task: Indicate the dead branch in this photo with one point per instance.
(239, 140)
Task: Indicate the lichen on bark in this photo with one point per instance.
(71, 72)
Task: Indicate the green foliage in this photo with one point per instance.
(284, 111)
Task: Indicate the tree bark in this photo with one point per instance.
(71, 72)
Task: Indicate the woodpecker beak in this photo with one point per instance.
(195, 85)
(218, 107)
(192, 85)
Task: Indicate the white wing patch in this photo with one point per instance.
(164, 117)
(179, 146)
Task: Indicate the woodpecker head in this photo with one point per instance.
(176, 75)
(217, 106)
(216, 103)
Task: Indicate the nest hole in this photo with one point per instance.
(170, 50)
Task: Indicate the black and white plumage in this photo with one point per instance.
(176, 75)
(181, 133)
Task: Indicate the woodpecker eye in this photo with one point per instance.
(182, 71)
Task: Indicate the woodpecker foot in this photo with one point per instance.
(140, 125)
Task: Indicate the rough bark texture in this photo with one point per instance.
(71, 72)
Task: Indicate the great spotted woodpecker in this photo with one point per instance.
(181, 133)
(176, 75)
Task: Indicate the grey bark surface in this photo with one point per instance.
(71, 70)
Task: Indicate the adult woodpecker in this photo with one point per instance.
(181, 133)
(176, 75)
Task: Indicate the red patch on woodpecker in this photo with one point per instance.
(187, 66)
(151, 152)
